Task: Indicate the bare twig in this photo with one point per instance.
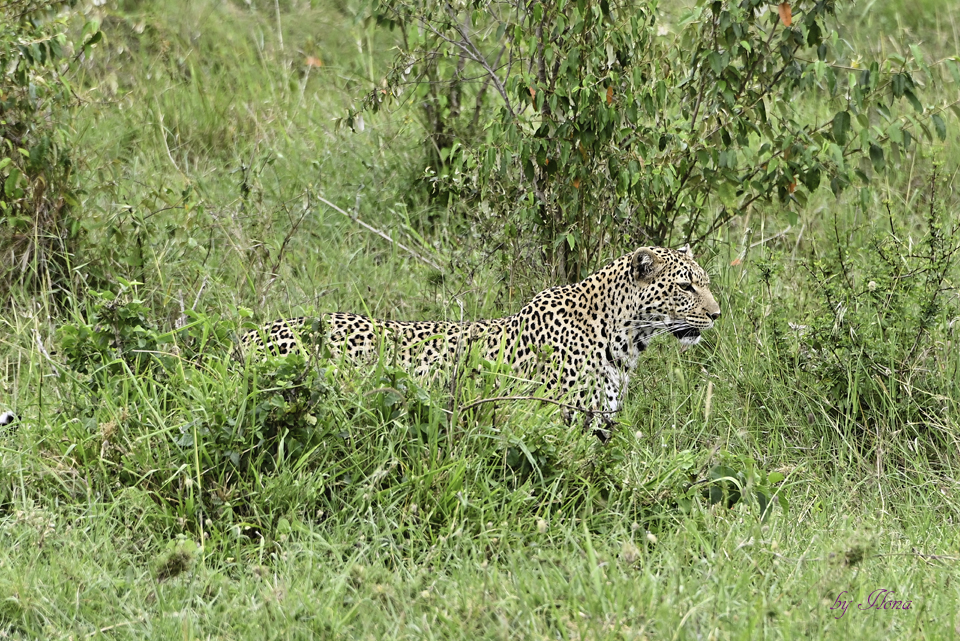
(483, 91)
(46, 354)
(115, 626)
(774, 237)
(199, 291)
(466, 45)
(381, 234)
(163, 136)
(288, 237)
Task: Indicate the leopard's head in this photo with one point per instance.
(668, 292)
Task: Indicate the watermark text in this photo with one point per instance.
(880, 599)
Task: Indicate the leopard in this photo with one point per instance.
(582, 341)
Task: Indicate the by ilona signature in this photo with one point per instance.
(880, 599)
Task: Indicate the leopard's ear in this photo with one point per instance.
(686, 250)
(645, 264)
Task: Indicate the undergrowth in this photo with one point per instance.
(158, 484)
(205, 431)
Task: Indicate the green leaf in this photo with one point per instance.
(895, 131)
(876, 157)
(841, 125)
(727, 194)
(912, 98)
(836, 185)
(716, 62)
(11, 186)
(917, 54)
(763, 502)
(725, 485)
(811, 178)
(836, 154)
(954, 68)
(90, 27)
(940, 126)
(782, 500)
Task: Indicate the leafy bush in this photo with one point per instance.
(181, 386)
(116, 335)
(218, 443)
(878, 345)
(38, 228)
(594, 126)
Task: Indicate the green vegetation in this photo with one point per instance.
(611, 131)
(803, 456)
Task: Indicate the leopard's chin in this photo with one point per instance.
(688, 336)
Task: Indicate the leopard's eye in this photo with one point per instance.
(687, 287)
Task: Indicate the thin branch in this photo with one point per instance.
(381, 234)
(482, 93)
(541, 64)
(163, 136)
(466, 45)
(288, 237)
(46, 354)
(774, 237)
(756, 59)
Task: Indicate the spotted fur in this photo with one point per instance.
(584, 338)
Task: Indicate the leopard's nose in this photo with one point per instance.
(715, 315)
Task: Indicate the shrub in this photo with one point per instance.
(878, 345)
(39, 230)
(219, 444)
(598, 127)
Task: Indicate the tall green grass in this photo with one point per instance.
(157, 486)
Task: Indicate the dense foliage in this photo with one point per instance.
(38, 227)
(592, 125)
